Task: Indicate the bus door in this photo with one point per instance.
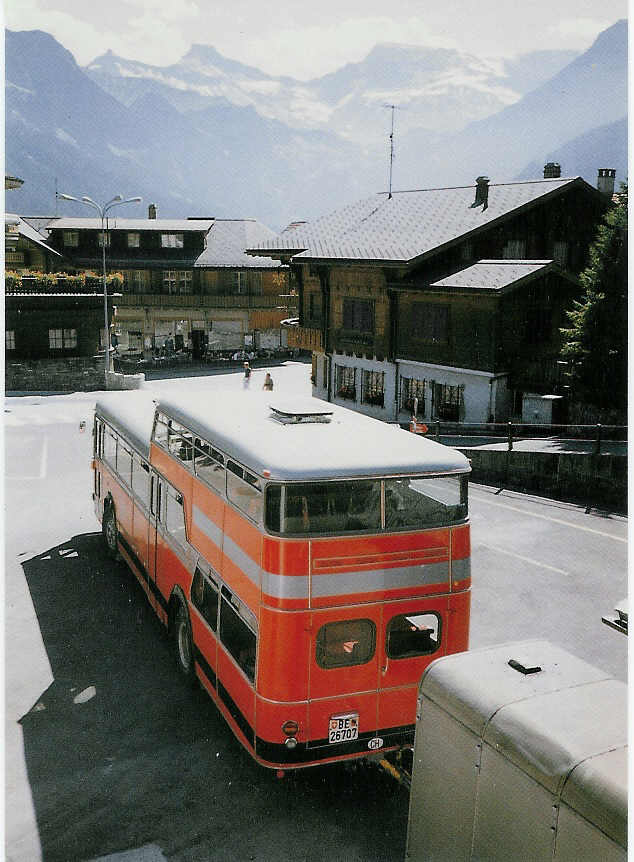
(344, 677)
(157, 503)
(413, 633)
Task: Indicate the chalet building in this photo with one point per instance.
(187, 283)
(25, 248)
(452, 296)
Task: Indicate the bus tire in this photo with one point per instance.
(183, 644)
(110, 533)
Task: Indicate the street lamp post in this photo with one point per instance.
(103, 210)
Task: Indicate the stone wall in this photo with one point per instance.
(593, 480)
(76, 374)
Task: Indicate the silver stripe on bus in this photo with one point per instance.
(374, 580)
(461, 569)
(285, 586)
(207, 526)
(242, 561)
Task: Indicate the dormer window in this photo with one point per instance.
(172, 240)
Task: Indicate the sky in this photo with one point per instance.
(304, 40)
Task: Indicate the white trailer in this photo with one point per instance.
(520, 753)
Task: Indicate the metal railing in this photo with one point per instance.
(470, 434)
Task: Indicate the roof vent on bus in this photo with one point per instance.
(298, 411)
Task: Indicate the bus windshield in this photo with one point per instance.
(411, 503)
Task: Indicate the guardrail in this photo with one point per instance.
(514, 432)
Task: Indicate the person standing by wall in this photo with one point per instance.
(268, 382)
(247, 375)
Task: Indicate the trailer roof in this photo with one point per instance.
(244, 425)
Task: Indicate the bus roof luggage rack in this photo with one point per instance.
(301, 410)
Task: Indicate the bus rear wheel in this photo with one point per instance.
(110, 532)
(183, 647)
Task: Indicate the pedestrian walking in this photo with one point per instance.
(268, 382)
(247, 375)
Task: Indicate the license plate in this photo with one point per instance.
(343, 728)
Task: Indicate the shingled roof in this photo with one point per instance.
(227, 240)
(496, 275)
(409, 224)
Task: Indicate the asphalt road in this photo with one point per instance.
(110, 755)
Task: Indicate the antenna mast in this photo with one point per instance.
(392, 108)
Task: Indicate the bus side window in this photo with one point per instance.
(413, 634)
(236, 635)
(204, 596)
(110, 448)
(161, 430)
(175, 517)
(124, 464)
(209, 465)
(141, 480)
(244, 490)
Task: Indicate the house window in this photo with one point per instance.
(431, 322)
(448, 401)
(100, 239)
(358, 315)
(136, 280)
(412, 388)
(9, 339)
(346, 382)
(172, 240)
(560, 252)
(514, 249)
(62, 339)
(240, 283)
(314, 306)
(373, 388)
(177, 281)
(70, 238)
(134, 239)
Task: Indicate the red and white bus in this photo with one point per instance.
(308, 561)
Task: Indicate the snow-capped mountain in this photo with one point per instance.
(210, 136)
(435, 88)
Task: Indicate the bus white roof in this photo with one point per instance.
(350, 444)
(132, 414)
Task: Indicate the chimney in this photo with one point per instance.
(151, 211)
(482, 193)
(605, 181)
(552, 171)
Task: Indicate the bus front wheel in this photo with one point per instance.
(183, 642)
(110, 532)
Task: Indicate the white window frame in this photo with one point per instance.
(134, 239)
(172, 240)
(70, 238)
(177, 281)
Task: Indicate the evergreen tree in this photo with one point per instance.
(595, 343)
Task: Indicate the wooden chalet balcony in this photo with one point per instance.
(196, 300)
(304, 338)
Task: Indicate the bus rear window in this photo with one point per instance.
(345, 643)
(332, 507)
(415, 503)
